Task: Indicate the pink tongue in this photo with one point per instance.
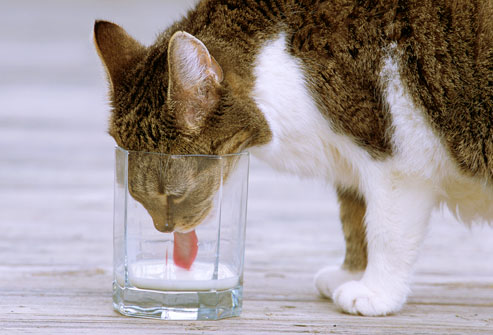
(185, 249)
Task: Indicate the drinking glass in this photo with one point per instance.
(155, 193)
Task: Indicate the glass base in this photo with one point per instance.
(178, 305)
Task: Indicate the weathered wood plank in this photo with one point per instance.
(88, 312)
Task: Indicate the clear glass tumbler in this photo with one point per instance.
(179, 234)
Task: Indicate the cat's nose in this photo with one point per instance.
(167, 228)
(163, 225)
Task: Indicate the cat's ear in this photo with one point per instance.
(115, 48)
(194, 79)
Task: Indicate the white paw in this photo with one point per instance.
(355, 297)
(328, 279)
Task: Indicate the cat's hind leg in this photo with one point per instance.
(396, 218)
(352, 213)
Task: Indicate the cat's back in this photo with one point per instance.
(443, 50)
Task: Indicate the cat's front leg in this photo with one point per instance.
(396, 219)
(352, 210)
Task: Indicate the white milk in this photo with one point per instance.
(159, 275)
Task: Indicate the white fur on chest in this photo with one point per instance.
(303, 142)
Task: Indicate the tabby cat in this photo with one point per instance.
(390, 101)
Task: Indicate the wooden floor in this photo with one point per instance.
(56, 189)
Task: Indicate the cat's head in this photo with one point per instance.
(177, 191)
(173, 98)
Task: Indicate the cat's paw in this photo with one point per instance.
(328, 279)
(355, 297)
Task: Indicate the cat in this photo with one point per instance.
(389, 101)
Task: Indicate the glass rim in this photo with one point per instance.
(238, 154)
